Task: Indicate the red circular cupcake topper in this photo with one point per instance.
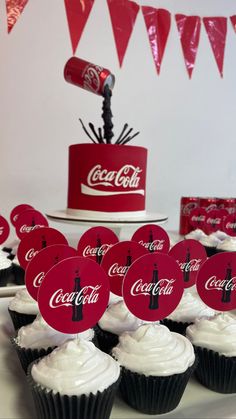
(117, 261)
(190, 255)
(216, 281)
(42, 262)
(74, 295)
(95, 243)
(197, 218)
(153, 237)
(214, 221)
(28, 221)
(4, 229)
(229, 224)
(37, 240)
(17, 211)
(153, 286)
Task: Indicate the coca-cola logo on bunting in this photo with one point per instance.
(229, 224)
(214, 221)
(28, 221)
(42, 262)
(197, 218)
(95, 243)
(153, 286)
(37, 240)
(17, 211)
(4, 229)
(118, 260)
(190, 255)
(154, 238)
(74, 295)
(216, 281)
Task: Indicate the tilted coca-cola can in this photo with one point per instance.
(208, 203)
(227, 203)
(88, 76)
(187, 204)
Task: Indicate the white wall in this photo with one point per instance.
(187, 126)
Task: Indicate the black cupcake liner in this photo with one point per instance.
(20, 319)
(216, 372)
(28, 355)
(5, 276)
(7, 249)
(19, 274)
(106, 340)
(210, 251)
(50, 405)
(174, 326)
(154, 395)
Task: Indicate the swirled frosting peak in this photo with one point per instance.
(77, 367)
(24, 303)
(154, 350)
(190, 308)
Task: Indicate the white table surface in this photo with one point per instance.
(16, 400)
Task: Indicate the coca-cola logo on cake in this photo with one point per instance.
(28, 221)
(229, 224)
(42, 262)
(17, 211)
(95, 243)
(37, 240)
(154, 238)
(153, 286)
(216, 281)
(190, 255)
(118, 260)
(197, 218)
(214, 221)
(74, 294)
(4, 229)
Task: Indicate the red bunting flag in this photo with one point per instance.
(77, 12)
(14, 10)
(216, 28)
(233, 21)
(123, 15)
(189, 32)
(157, 22)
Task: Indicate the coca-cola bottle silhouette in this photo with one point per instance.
(44, 242)
(33, 222)
(186, 272)
(98, 245)
(226, 290)
(128, 259)
(77, 309)
(150, 241)
(153, 302)
(56, 260)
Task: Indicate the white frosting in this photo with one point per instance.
(114, 298)
(228, 245)
(221, 235)
(4, 262)
(77, 367)
(217, 333)
(191, 307)
(40, 335)
(117, 319)
(104, 215)
(24, 303)
(154, 350)
(195, 234)
(209, 241)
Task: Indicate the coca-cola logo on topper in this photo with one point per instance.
(153, 286)
(214, 221)
(190, 255)
(117, 261)
(73, 295)
(216, 281)
(37, 240)
(95, 243)
(4, 229)
(197, 218)
(17, 211)
(154, 238)
(229, 224)
(28, 221)
(42, 262)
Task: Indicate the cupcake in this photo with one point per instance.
(5, 270)
(190, 308)
(210, 243)
(18, 272)
(214, 342)
(23, 309)
(195, 234)
(76, 380)
(156, 366)
(116, 319)
(38, 339)
(227, 245)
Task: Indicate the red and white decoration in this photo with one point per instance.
(153, 237)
